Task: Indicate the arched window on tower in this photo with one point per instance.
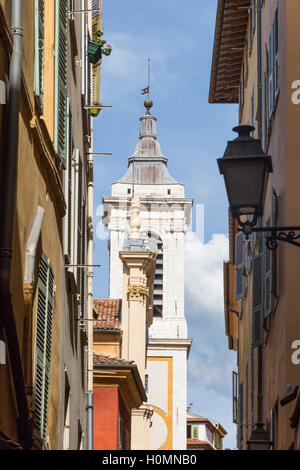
(158, 279)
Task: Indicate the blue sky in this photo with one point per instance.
(178, 37)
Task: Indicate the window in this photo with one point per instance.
(169, 192)
(39, 35)
(2, 353)
(270, 262)
(66, 436)
(247, 59)
(146, 383)
(276, 53)
(271, 73)
(158, 279)
(239, 266)
(69, 176)
(195, 431)
(128, 191)
(257, 301)
(242, 87)
(189, 431)
(235, 397)
(241, 415)
(80, 437)
(45, 300)
(253, 109)
(61, 74)
(272, 64)
(2, 92)
(80, 227)
(252, 23)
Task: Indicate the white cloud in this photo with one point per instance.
(204, 273)
(125, 71)
(212, 369)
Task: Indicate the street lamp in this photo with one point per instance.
(246, 168)
(259, 439)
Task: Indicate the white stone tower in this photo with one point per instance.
(164, 215)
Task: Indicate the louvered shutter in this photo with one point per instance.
(268, 265)
(234, 397)
(239, 265)
(39, 51)
(61, 76)
(257, 301)
(44, 319)
(69, 185)
(271, 72)
(276, 54)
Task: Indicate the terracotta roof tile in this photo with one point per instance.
(108, 311)
(99, 359)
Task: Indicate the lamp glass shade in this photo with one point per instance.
(245, 181)
(246, 169)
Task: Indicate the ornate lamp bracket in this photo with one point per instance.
(274, 234)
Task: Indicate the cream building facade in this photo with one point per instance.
(164, 218)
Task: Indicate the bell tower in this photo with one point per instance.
(164, 216)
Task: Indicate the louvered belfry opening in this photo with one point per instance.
(158, 278)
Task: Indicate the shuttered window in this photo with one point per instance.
(257, 300)
(276, 53)
(61, 76)
(68, 186)
(270, 262)
(241, 415)
(234, 397)
(45, 300)
(268, 258)
(39, 35)
(271, 72)
(252, 23)
(239, 266)
(195, 434)
(272, 63)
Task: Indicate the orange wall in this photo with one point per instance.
(106, 418)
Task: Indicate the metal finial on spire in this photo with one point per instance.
(148, 103)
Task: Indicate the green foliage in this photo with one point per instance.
(97, 38)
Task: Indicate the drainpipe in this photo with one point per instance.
(259, 72)
(7, 200)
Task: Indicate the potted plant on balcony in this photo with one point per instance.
(96, 47)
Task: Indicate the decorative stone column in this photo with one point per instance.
(139, 258)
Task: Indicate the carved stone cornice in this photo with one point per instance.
(139, 293)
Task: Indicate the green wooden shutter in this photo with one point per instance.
(271, 73)
(239, 265)
(257, 301)
(44, 318)
(268, 267)
(61, 79)
(276, 54)
(234, 397)
(39, 51)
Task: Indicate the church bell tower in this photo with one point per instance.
(164, 215)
